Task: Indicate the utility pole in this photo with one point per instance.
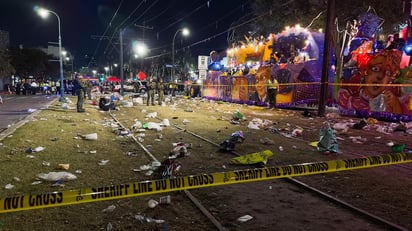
(121, 62)
(326, 57)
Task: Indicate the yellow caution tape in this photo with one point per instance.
(144, 188)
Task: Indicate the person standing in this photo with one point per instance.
(151, 92)
(272, 86)
(161, 90)
(89, 86)
(79, 87)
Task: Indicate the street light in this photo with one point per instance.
(44, 13)
(185, 32)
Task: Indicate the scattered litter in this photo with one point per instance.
(109, 226)
(59, 182)
(93, 152)
(153, 126)
(151, 115)
(267, 141)
(54, 176)
(78, 171)
(64, 166)
(165, 200)
(166, 122)
(180, 150)
(54, 139)
(361, 124)
(103, 162)
(144, 167)
(280, 148)
(327, 140)
(30, 156)
(16, 179)
(109, 209)
(244, 218)
(169, 168)
(152, 203)
(137, 125)
(390, 144)
(31, 110)
(131, 154)
(188, 109)
(398, 148)
(237, 116)
(253, 158)
(9, 186)
(185, 121)
(36, 182)
(149, 173)
(92, 136)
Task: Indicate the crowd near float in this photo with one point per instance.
(375, 79)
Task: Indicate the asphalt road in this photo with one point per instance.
(16, 109)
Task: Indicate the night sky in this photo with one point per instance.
(83, 21)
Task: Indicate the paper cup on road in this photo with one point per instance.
(92, 136)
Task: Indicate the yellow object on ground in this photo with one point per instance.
(253, 158)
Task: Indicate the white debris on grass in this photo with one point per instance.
(54, 176)
(91, 136)
(9, 186)
(151, 115)
(109, 209)
(103, 162)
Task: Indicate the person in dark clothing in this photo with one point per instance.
(79, 87)
(161, 90)
(272, 89)
(151, 92)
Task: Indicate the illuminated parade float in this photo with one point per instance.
(374, 80)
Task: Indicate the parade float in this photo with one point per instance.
(376, 77)
(293, 57)
(374, 81)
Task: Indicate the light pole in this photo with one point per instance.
(185, 32)
(44, 13)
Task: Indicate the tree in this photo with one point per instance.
(6, 69)
(33, 62)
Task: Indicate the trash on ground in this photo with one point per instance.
(58, 183)
(398, 148)
(54, 176)
(103, 162)
(109, 209)
(244, 218)
(63, 166)
(180, 150)
(152, 203)
(91, 136)
(327, 139)
(253, 158)
(9, 186)
(169, 168)
(151, 115)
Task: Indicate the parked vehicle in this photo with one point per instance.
(135, 87)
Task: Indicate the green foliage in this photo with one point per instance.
(6, 69)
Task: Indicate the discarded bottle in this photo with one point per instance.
(165, 200)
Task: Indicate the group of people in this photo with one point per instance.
(154, 86)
